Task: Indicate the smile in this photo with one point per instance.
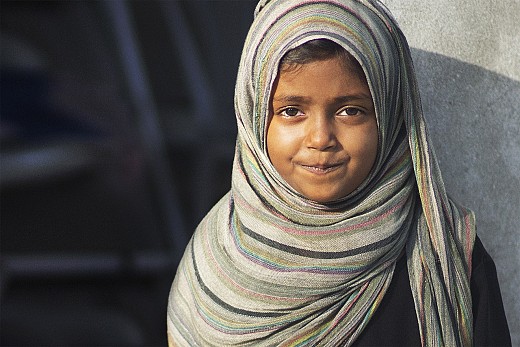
(321, 169)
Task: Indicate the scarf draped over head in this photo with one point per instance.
(268, 267)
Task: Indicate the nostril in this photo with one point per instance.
(321, 137)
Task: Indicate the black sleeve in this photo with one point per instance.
(489, 319)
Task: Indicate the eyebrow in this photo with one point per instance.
(339, 99)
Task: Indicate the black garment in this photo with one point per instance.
(395, 323)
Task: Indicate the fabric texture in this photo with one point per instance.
(268, 267)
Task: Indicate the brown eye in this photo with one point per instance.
(351, 111)
(291, 112)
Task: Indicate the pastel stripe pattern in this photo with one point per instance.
(268, 267)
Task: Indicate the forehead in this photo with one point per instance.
(329, 78)
(319, 50)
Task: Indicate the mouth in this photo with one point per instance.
(321, 169)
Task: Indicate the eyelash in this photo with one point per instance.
(359, 112)
(283, 112)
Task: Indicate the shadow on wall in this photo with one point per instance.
(474, 120)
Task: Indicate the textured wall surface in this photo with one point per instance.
(467, 57)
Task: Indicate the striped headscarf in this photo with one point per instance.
(268, 267)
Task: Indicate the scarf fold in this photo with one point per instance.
(268, 267)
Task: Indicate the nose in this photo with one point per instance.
(321, 133)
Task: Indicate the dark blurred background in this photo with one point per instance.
(117, 133)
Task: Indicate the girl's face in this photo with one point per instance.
(322, 134)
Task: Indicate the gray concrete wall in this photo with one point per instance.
(467, 57)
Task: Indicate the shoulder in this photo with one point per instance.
(483, 273)
(490, 324)
(481, 259)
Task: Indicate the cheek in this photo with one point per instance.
(365, 146)
(372, 141)
(271, 135)
(371, 146)
(274, 145)
(281, 142)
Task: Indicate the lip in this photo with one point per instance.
(321, 169)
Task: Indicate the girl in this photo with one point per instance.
(337, 230)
